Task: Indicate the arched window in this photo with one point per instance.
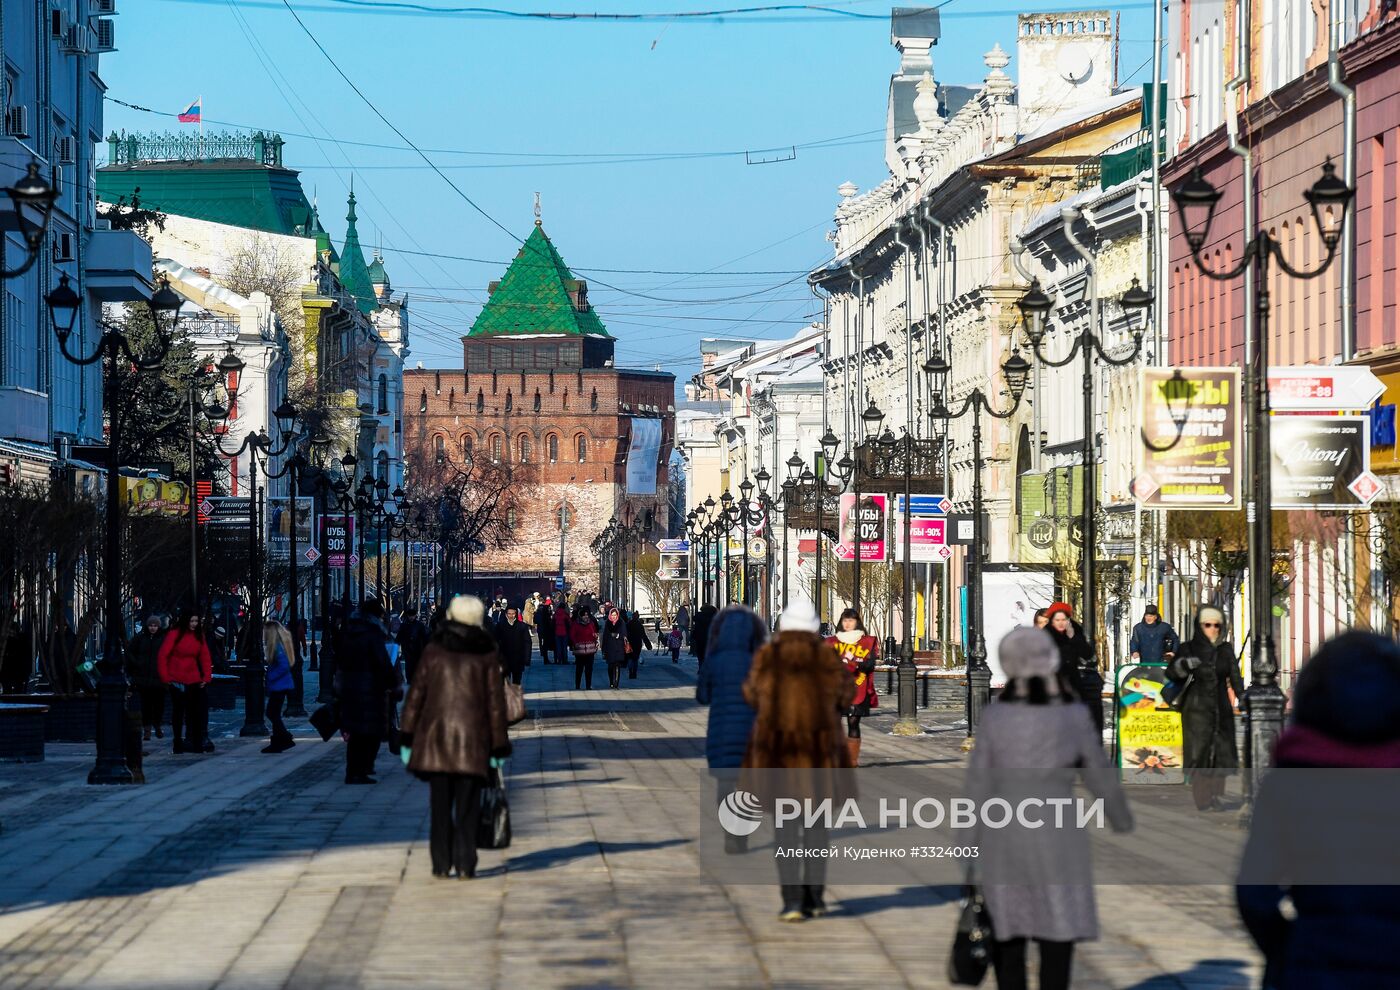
(381, 466)
(423, 401)
(581, 442)
(524, 446)
(510, 401)
(537, 400)
(593, 401)
(480, 401)
(467, 446)
(496, 448)
(451, 397)
(494, 383)
(439, 448)
(566, 398)
(510, 517)
(383, 393)
(553, 443)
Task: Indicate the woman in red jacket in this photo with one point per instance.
(859, 651)
(185, 664)
(583, 637)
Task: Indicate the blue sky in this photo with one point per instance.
(557, 105)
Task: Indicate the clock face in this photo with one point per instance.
(1074, 65)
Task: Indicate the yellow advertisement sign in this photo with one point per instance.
(154, 495)
(1149, 732)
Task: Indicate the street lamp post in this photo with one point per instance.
(870, 422)
(745, 502)
(1329, 198)
(118, 756)
(229, 364)
(1015, 369)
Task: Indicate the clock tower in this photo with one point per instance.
(1063, 60)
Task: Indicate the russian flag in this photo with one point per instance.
(191, 113)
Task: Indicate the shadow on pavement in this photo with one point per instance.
(1225, 974)
(904, 897)
(545, 858)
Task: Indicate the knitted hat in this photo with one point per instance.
(466, 609)
(799, 616)
(1026, 652)
(1150, 610)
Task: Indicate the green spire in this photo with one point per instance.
(377, 275)
(537, 296)
(354, 276)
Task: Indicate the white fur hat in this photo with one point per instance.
(1028, 652)
(466, 609)
(799, 616)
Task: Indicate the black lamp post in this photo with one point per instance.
(729, 513)
(118, 745)
(745, 505)
(1016, 370)
(214, 412)
(32, 193)
(711, 548)
(1329, 199)
(692, 534)
(1035, 306)
(870, 421)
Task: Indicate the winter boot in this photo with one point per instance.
(792, 903)
(813, 903)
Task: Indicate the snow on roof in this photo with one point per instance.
(1080, 112)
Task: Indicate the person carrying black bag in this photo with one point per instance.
(453, 732)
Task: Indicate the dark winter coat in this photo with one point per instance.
(700, 631)
(544, 623)
(737, 634)
(1207, 719)
(143, 659)
(613, 637)
(1153, 641)
(412, 638)
(1076, 661)
(513, 641)
(637, 635)
(454, 718)
(364, 677)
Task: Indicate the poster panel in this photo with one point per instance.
(1191, 448)
(874, 511)
(928, 535)
(1009, 600)
(1149, 732)
(281, 518)
(1319, 460)
(674, 567)
(337, 536)
(643, 453)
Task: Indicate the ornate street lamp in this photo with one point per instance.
(1196, 199)
(31, 193)
(1015, 369)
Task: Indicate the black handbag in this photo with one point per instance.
(1174, 692)
(972, 945)
(493, 827)
(326, 720)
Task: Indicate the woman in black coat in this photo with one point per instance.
(1077, 667)
(513, 641)
(364, 679)
(636, 638)
(615, 646)
(1206, 669)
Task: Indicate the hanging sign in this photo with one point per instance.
(872, 515)
(280, 520)
(928, 535)
(337, 534)
(1322, 462)
(1191, 439)
(1323, 389)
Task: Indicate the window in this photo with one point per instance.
(423, 401)
(467, 446)
(480, 400)
(593, 401)
(524, 446)
(439, 448)
(494, 383)
(451, 397)
(522, 378)
(581, 442)
(538, 400)
(510, 401)
(510, 517)
(496, 448)
(553, 443)
(547, 356)
(383, 393)
(498, 356)
(437, 382)
(566, 398)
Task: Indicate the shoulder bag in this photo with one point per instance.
(972, 944)
(493, 827)
(1174, 692)
(515, 704)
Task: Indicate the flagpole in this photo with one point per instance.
(201, 125)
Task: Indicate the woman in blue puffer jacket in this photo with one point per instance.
(735, 634)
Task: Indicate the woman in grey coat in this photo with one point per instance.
(1037, 724)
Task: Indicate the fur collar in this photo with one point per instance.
(850, 636)
(458, 638)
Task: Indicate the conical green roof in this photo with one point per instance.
(354, 275)
(534, 297)
(377, 275)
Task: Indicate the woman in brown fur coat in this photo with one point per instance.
(798, 691)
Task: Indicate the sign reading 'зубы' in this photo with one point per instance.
(1191, 438)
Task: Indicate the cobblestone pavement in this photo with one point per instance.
(241, 870)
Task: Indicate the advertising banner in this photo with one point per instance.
(1149, 732)
(928, 536)
(643, 453)
(280, 519)
(154, 495)
(227, 534)
(1322, 388)
(1322, 462)
(337, 537)
(1010, 599)
(874, 511)
(674, 567)
(1191, 439)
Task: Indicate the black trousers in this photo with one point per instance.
(1056, 959)
(360, 752)
(189, 714)
(615, 674)
(275, 702)
(152, 705)
(583, 671)
(455, 810)
(802, 877)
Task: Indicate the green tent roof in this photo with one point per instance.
(377, 274)
(354, 275)
(533, 297)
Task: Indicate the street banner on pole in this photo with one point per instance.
(1191, 439)
(1323, 389)
(642, 455)
(874, 511)
(227, 532)
(279, 525)
(337, 536)
(674, 567)
(1322, 462)
(927, 534)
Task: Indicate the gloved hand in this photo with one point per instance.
(1191, 663)
(404, 754)
(497, 762)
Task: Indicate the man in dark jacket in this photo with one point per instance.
(700, 631)
(412, 637)
(637, 638)
(513, 643)
(544, 626)
(143, 667)
(1153, 641)
(364, 679)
